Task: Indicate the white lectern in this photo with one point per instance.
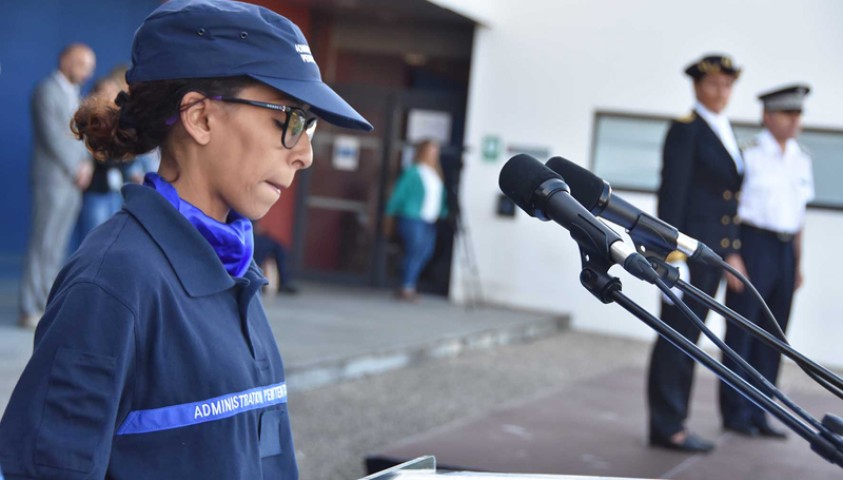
(424, 468)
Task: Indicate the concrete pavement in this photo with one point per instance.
(367, 373)
(328, 334)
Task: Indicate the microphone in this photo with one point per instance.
(543, 194)
(595, 194)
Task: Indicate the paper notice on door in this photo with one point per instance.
(346, 153)
(429, 125)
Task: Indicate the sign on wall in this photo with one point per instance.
(346, 153)
(491, 148)
(536, 151)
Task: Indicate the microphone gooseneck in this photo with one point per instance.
(648, 231)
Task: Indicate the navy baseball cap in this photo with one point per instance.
(225, 38)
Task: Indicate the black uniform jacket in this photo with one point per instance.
(700, 185)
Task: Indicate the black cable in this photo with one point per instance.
(759, 379)
(827, 383)
(824, 444)
(774, 324)
(818, 373)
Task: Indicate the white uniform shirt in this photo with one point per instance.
(777, 185)
(432, 205)
(723, 129)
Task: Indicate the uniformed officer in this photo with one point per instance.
(700, 180)
(777, 186)
(154, 359)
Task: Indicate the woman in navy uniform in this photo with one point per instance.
(777, 187)
(700, 179)
(154, 359)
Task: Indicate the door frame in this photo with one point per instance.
(398, 103)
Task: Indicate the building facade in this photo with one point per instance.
(542, 72)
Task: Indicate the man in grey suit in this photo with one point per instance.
(60, 169)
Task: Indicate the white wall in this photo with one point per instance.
(542, 68)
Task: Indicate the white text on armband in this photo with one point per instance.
(239, 401)
(223, 406)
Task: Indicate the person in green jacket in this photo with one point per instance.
(418, 201)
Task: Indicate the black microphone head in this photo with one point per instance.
(586, 187)
(519, 179)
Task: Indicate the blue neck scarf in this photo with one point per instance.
(233, 241)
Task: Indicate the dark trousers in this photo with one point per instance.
(671, 372)
(265, 247)
(771, 265)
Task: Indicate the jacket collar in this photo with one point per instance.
(771, 145)
(706, 126)
(193, 259)
(709, 116)
(70, 89)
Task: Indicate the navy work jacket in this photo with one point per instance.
(151, 362)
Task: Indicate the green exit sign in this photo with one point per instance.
(492, 146)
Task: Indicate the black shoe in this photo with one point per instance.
(743, 429)
(691, 444)
(766, 430)
(288, 288)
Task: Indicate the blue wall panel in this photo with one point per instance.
(32, 33)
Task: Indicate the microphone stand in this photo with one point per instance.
(647, 241)
(768, 339)
(753, 375)
(670, 276)
(596, 279)
(832, 383)
(832, 422)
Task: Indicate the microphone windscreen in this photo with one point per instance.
(586, 187)
(519, 179)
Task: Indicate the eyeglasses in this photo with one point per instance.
(294, 125)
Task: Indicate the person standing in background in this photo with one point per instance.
(102, 198)
(777, 186)
(418, 201)
(60, 170)
(701, 174)
(144, 162)
(268, 249)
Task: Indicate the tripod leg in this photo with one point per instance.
(472, 279)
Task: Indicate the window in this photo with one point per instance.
(627, 148)
(826, 149)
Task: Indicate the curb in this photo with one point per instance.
(318, 374)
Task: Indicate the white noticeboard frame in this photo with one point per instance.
(425, 125)
(428, 125)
